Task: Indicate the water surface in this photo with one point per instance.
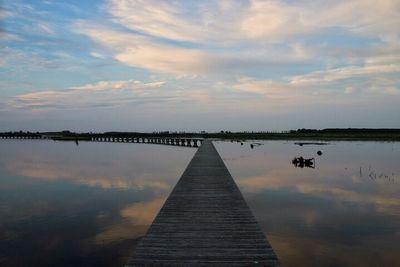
(88, 205)
(345, 212)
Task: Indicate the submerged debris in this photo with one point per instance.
(311, 143)
(302, 162)
(252, 145)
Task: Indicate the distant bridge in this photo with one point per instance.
(190, 142)
(204, 222)
(148, 139)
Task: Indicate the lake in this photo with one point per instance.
(88, 205)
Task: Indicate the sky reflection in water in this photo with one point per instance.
(332, 215)
(86, 205)
(63, 205)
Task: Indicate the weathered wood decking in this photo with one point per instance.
(204, 222)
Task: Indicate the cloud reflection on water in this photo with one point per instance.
(328, 216)
(101, 198)
(87, 205)
(137, 218)
(129, 170)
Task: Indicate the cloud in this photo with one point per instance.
(183, 21)
(371, 76)
(351, 72)
(280, 20)
(64, 6)
(16, 60)
(101, 94)
(148, 53)
(275, 20)
(139, 51)
(46, 28)
(228, 21)
(119, 85)
(5, 36)
(267, 88)
(5, 13)
(366, 17)
(97, 55)
(191, 38)
(152, 17)
(28, 20)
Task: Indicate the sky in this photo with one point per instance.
(150, 65)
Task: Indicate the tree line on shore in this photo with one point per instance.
(390, 134)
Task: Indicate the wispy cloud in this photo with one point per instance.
(16, 60)
(40, 23)
(196, 22)
(222, 21)
(101, 94)
(139, 51)
(219, 36)
(148, 53)
(383, 79)
(279, 19)
(5, 13)
(352, 72)
(46, 28)
(96, 54)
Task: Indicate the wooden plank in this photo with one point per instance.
(204, 222)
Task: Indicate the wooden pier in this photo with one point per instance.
(204, 222)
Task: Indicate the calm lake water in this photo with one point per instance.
(88, 205)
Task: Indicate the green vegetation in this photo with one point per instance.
(72, 138)
(321, 135)
(351, 134)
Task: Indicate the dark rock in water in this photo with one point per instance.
(241, 143)
(319, 153)
(252, 146)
